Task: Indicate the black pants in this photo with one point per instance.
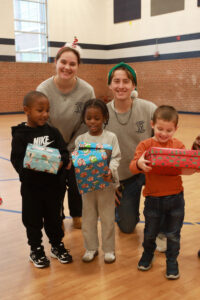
(41, 207)
(74, 198)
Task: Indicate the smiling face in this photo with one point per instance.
(163, 130)
(38, 112)
(67, 65)
(94, 120)
(121, 85)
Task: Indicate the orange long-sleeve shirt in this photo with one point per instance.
(155, 184)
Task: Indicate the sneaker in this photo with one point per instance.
(89, 255)
(61, 254)
(172, 271)
(77, 222)
(161, 243)
(145, 261)
(109, 257)
(38, 258)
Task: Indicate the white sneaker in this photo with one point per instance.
(89, 255)
(161, 243)
(109, 257)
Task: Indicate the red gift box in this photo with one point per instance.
(168, 161)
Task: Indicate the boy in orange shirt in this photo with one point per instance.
(163, 194)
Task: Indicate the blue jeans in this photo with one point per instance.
(127, 213)
(172, 207)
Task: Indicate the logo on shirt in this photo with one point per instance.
(140, 127)
(42, 141)
(78, 107)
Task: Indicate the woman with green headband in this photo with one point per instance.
(130, 120)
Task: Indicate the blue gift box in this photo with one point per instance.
(40, 158)
(91, 163)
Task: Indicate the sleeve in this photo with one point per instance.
(18, 149)
(41, 88)
(153, 108)
(77, 141)
(180, 145)
(62, 147)
(115, 159)
(140, 149)
(92, 93)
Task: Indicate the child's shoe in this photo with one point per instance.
(109, 257)
(89, 255)
(145, 261)
(61, 254)
(172, 271)
(38, 258)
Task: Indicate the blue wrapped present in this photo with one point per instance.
(40, 158)
(91, 163)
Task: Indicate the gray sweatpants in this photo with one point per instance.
(100, 203)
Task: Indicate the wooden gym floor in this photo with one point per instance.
(20, 280)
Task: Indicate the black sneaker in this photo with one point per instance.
(61, 254)
(172, 271)
(38, 258)
(145, 261)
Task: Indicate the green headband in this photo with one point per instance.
(122, 64)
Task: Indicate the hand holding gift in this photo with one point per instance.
(144, 164)
(108, 176)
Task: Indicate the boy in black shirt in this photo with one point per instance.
(41, 192)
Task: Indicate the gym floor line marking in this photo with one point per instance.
(1, 157)
(68, 217)
(9, 179)
(12, 179)
(19, 212)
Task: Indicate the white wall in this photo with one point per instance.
(6, 19)
(92, 22)
(83, 18)
(178, 23)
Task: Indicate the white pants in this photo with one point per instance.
(100, 203)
